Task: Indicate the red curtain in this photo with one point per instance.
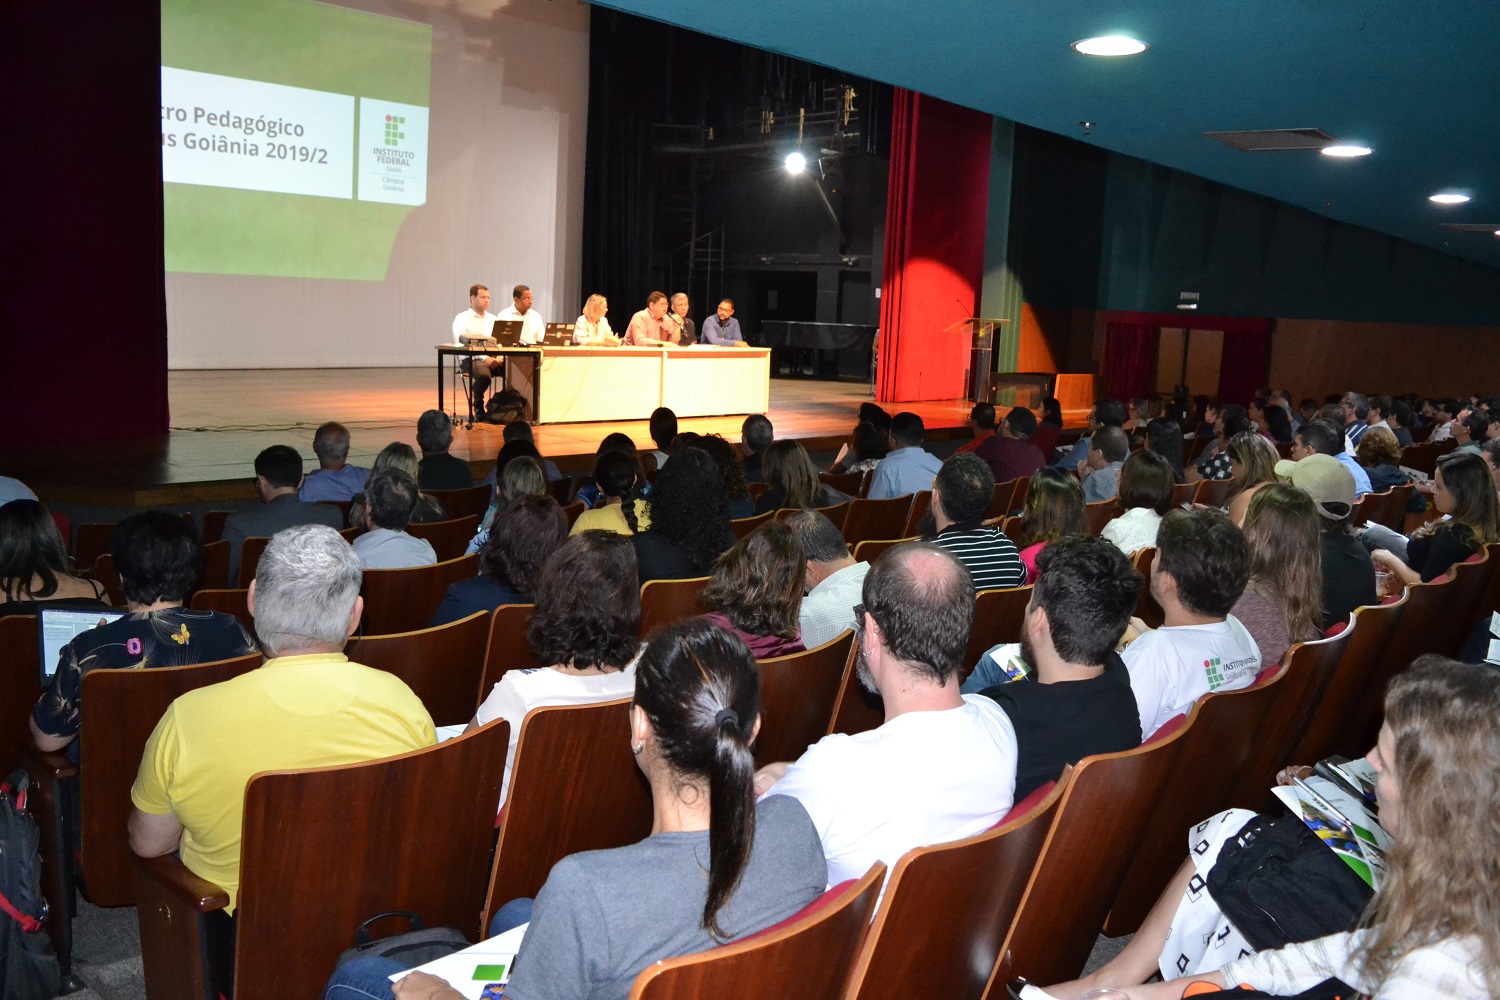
(1245, 364)
(936, 209)
(1130, 359)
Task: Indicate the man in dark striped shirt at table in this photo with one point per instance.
(960, 493)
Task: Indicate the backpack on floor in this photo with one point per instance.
(505, 407)
(28, 966)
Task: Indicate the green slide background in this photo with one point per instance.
(301, 44)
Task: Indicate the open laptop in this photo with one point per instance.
(558, 335)
(58, 626)
(507, 332)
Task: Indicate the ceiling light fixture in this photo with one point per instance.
(795, 163)
(1110, 45)
(1345, 151)
(1448, 198)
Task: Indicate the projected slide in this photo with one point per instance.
(293, 137)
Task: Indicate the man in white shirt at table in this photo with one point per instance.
(476, 322)
(520, 311)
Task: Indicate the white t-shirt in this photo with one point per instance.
(472, 324)
(922, 778)
(533, 326)
(1133, 530)
(519, 691)
(585, 332)
(1170, 668)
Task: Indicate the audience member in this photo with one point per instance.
(943, 764)
(1379, 453)
(730, 473)
(584, 629)
(390, 502)
(1490, 453)
(663, 428)
(278, 477)
(833, 581)
(1214, 462)
(870, 444)
(1319, 437)
(308, 706)
(618, 480)
(1165, 438)
(907, 468)
(400, 456)
(1105, 413)
(756, 435)
(525, 534)
(439, 470)
(1348, 572)
(1200, 570)
(1107, 453)
(1466, 494)
(1469, 429)
(1050, 428)
(1010, 453)
(520, 476)
(34, 563)
(1400, 419)
(1356, 408)
(1053, 510)
(1252, 464)
(794, 481)
(588, 490)
(1283, 599)
(756, 590)
(1075, 701)
(689, 520)
(521, 431)
(159, 561)
(960, 493)
(1144, 498)
(981, 426)
(1276, 424)
(333, 479)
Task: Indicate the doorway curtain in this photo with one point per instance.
(1130, 346)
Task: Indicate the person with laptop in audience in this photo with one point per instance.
(477, 323)
(756, 435)
(592, 328)
(34, 564)
(278, 477)
(390, 501)
(334, 479)
(943, 764)
(307, 706)
(520, 311)
(159, 560)
(439, 470)
(1009, 452)
(961, 491)
(1107, 453)
(834, 579)
(717, 867)
(755, 591)
(1200, 571)
(677, 315)
(1075, 699)
(650, 327)
(908, 467)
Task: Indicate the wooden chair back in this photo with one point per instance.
(997, 618)
(1000, 501)
(757, 490)
(1081, 868)
(571, 511)
(215, 565)
(835, 513)
(448, 538)
(1368, 505)
(562, 490)
(1146, 608)
(104, 574)
(342, 506)
(250, 552)
(856, 710)
(844, 482)
(1426, 610)
(213, 525)
(921, 503)
(441, 665)
(118, 711)
(403, 600)
(1283, 449)
(1099, 514)
(574, 787)
(876, 519)
(1216, 492)
(1212, 753)
(1470, 589)
(666, 601)
(869, 551)
(1195, 447)
(366, 818)
(797, 695)
(231, 602)
(507, 648)
(350, 534)
(1183, 493)
(20, 682)
(1011, 528)
(808, 957)
(1371, 632)
(1394, 514)
(1422, 457)
(976, 885)
(462, 503)
(1023, 490)
(90, 541)
(744, 525)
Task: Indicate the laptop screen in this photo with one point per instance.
(58, 627)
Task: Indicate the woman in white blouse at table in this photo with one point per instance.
(592, 329)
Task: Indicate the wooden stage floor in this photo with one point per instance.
(222, 419)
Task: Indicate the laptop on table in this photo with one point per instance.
(558, 335)
(507, 332)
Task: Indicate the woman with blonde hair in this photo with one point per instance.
(1380, 454)
(794, 480)
(592, 329)
(1054, 509)
(397, 455)
(1283, 602)
(1252, 464)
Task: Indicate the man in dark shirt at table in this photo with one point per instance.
(1076, 700)
(439, 470)
(1010, 453)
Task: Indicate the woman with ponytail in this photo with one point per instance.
(621, 508)
(717, 866)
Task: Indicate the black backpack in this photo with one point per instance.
(28, 966)
(505, 407)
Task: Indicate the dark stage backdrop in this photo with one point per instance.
(85, 328)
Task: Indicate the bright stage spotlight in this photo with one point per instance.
(795, 163)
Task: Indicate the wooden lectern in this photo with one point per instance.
(981, 353)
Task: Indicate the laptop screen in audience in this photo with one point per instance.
(58, 627)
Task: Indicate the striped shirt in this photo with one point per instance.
(988, 555)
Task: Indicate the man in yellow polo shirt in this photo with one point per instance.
(306, 706)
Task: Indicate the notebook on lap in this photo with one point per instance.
(58, 626)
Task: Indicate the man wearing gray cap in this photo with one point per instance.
(1348, 571)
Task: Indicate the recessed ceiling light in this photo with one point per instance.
(1448, 198)
(1110, 45)
(1346, 151)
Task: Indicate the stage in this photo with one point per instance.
(222, 419)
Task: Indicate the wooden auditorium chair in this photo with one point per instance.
(1371, 631)
(876, 519)
(103, 573)
(403, 600)
(90, 541)
(213, 525)
(873, 549)
(666, 601)
(441, 665)
(856, 710)
(1183, 493)
(507, 648)
(448, 538)
(797, 695)
(1000, 501)
(742, 526)
(231, 602)
(1099, 514)
(1216, 492)
(251, 549)
(462, 503)
(849, 483)
(921, 503)
(998, 615)
(1146, 608)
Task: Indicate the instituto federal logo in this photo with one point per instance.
(393, 129)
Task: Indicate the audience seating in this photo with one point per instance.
(343, 507)
(869, 551)
(305, 832)
(215, 564)
(666, 601)
(507, 648)
(1468, 590)
(441, 665)
(574, 786)
(449, 538)
(1370, 631)
(744, 525)
(231, 602)
(20, 682)
(1023, 490)
(1098, 826)
(1195, 447)
(403, 600)
(64, 528)
(1099, 514)
(807, 958)
(1426, 613)
(1146, 608)
(1000, 500)
(1216, 492)
(856, 710)
(571, 510)
(1421, 457)
(90, 541)
(835, 513)
(797, 695)
(947, 908)
(855, 484)
(921, 503)
(562, 490)
(876, 519)
(213, 525)
(462, 503)
(1420, 434)
(1284, 449)
(1011, 528)
(756, 490)
(1183, 493)
(998, 615)
(103, 573)
(250, 552)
